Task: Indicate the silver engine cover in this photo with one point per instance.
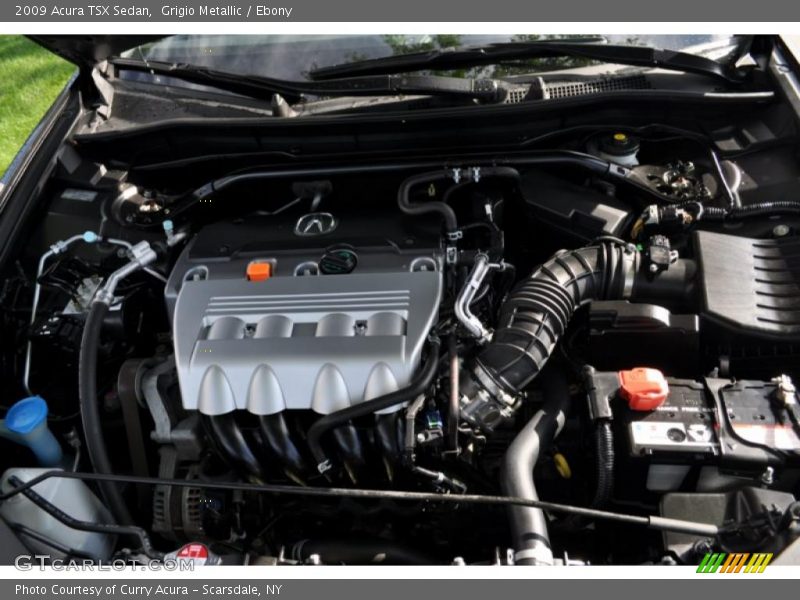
(319, 342)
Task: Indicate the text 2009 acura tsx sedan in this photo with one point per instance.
(406, 300)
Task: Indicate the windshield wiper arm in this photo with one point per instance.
(471, 56)
(264, 88)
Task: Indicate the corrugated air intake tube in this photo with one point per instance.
(539, 309)
(531, 322)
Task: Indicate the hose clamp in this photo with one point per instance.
(631, 259)
(491, 387)
(540, 554)
(103, 296)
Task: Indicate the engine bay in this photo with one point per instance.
(579, 353)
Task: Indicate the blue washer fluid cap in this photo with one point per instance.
(90, 237)
(26, 415)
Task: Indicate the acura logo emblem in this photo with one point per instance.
(318, 223)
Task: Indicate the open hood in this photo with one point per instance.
(87, 50)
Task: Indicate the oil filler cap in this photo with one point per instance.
(644, 388)
(259, 271)
(338, 262)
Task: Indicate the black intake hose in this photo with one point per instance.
(531, 322)
(539, 309)
(529, 525)
(418, 385)
(90, 412)
(276, 434)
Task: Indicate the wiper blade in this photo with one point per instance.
(457, 58)
(253, 86)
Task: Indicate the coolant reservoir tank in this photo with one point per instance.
(617, 147)
(71, 496)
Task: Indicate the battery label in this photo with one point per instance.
(671, 434)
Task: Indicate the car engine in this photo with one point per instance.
(579, 354)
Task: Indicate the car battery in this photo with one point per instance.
(683, 424)
(659, 416)
(668, 426)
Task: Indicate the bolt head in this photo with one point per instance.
(781, 230)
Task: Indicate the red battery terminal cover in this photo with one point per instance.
(644, 388)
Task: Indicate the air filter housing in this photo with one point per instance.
(752, 285)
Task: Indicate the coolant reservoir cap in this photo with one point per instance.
(26, 415)
(644, 388)
(619, 144)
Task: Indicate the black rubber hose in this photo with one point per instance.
(276, 434)
(417, 386)
(231, 443)
(90, 412)
(539, 309)
(531, 540)
(441, 207)
(422, 208)
(359, 552)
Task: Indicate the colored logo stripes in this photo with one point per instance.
(736, 562)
